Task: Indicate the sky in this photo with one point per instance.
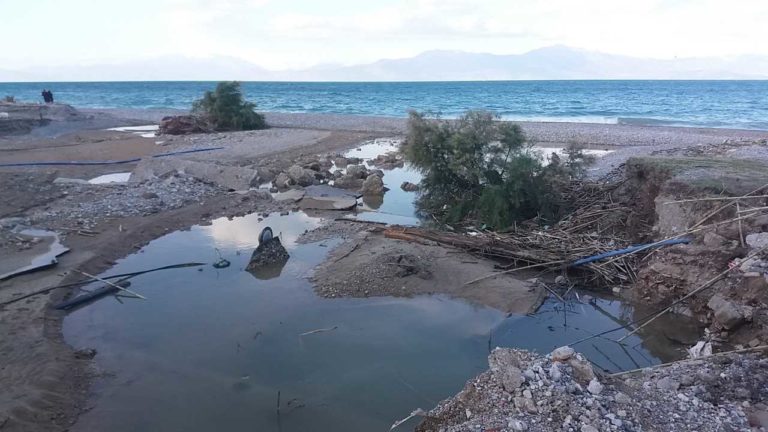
(290, 34)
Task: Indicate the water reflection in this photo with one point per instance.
(242, 234)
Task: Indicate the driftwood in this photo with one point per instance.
(319, 331)
(114, 285)
(89, 280)
(687, 360)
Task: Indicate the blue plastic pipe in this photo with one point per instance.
(630, 249)
(116, 162)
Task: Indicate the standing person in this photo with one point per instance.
(50, 96)
(45, 95)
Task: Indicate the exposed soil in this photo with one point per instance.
(373, 265)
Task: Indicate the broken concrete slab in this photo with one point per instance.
(41, 255)
(727, 313)
(231, 177)
(292, 195)
(324, 197)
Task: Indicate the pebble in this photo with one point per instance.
(595, 387)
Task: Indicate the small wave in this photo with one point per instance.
(648, 121)
(563, 119)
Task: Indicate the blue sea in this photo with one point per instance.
(726, 104)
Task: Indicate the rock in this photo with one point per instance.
(714, 240)
(183, 125)
(517, 425)
(301, 176)
(668, 384)
(65, 180)
(313, 165)
(525, 405)
(85, 354)
(595, 387)
(754, 343)
(409, 187)
(562, 354)
(268, 259)
(757, 241)
(292, 195)
(324, 197)
(357, 171)
(582, 369)
(622, 398)
(376, 172)
(341, 162)
(373, 185)
(230, 177)
(561, 281)
(589, 428)
(503, 364)
(554, 372)
(282, 181)
(348, 182)
(727, 313)
(149, 195)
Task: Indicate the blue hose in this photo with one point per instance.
(630, 249)
(19, 164)
(115, 162)
(186, 151)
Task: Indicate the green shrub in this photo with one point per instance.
(479, 168)
(226, 110)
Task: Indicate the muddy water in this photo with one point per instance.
(212, 349)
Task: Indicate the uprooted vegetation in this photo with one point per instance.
(479, 168)
(221, 110)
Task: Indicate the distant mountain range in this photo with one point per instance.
(551, 63)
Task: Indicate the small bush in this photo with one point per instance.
(226, 110)
(480, 168)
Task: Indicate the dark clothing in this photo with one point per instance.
(47, 96)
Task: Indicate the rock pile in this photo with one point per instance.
(523, 391)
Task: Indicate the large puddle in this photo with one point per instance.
(222, 349)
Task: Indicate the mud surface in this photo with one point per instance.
(372, 265)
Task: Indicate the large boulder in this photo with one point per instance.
(268, 260)
(183, 125)
(348, 182)
(357, 171)
(373, 185)
(729, 314)
(301, 176)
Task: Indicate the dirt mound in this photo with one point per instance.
(372, 265)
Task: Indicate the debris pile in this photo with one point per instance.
(183, 125)
(523, 391)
